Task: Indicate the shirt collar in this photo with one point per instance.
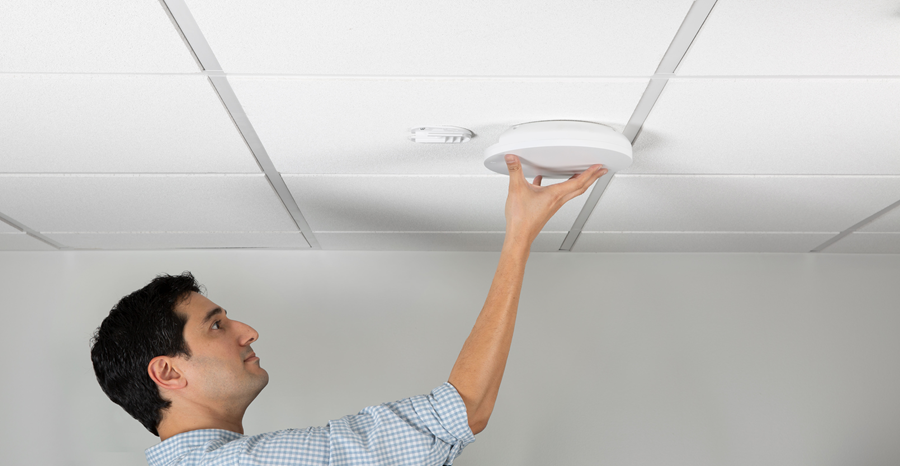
(177, 446)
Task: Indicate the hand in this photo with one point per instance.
(530, 206)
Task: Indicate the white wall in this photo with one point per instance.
(618, 359)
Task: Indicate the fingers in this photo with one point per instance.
(578, 184)
(597, 172)
(586, 181)
(590, 179)
(515, 169)
(585, 178)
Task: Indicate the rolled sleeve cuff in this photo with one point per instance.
(445, 415)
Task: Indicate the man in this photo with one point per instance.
(175, 361)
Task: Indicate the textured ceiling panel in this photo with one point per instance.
(889, 222)
(467, 37)
(105, 123)
(22, 242)
(798, 37)
(545, 242)
(121, 36)
(698, 242)
(332, 88)
(867, 243)
(162, 203)
(361, 125)
(740, 203)
(772, 126)
(269, 239)
(411, 203)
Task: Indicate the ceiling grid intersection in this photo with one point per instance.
(30, 232)
(690, 27)
(701, 178)
(200, 49)
(856, 227)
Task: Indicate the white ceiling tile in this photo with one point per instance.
(121, 36)
(192, 240)
(22, 242)
(772, 126)
(114, 123)
(352, 241)
(698, 242)
(338, 203)
(798, 37)
(510, 38)
(128, 203)
(6, 228)
(887, 223)
(740, 203)
(867, 243)
(361, 125)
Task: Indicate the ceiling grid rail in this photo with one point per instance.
(855, 227)
(688, 30)
(32, 233)
(196, 42)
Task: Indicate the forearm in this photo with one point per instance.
(480, 365)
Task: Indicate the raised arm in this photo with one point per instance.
(479, 367)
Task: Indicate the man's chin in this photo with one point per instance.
(258, 387)
(263, 380)
(266, 379)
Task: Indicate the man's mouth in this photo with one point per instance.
(251, 357)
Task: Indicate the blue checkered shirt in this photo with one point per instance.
(422, 430)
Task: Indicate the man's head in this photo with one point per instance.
(166, 347)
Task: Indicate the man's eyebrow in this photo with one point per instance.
(211, 314)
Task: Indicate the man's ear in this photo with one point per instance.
(165, 374)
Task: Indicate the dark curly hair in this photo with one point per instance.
(142, 326)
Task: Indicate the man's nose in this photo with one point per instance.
(249, 335)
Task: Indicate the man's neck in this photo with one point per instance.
(177, 421)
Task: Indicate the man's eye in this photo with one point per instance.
(216, 325)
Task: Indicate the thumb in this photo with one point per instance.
(515, 169)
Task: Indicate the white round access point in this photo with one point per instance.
(560, 148)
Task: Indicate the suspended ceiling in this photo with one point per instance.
(762, 126)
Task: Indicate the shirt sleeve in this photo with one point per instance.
(423, 430)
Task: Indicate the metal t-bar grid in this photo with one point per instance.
(184, 21)
(689, 29)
